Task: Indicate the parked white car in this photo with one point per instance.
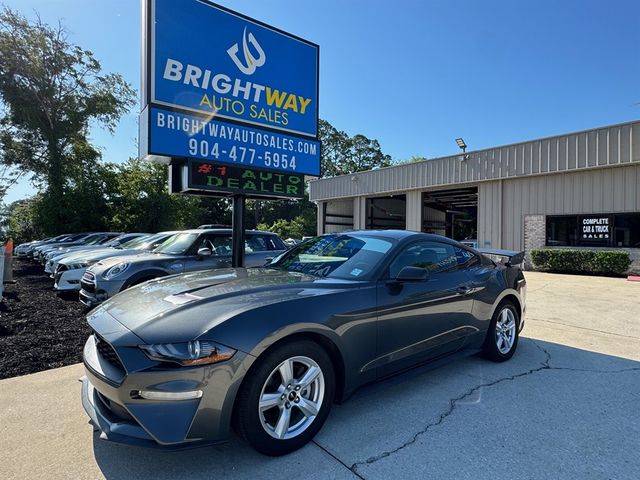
(70, 269)
(53, 257)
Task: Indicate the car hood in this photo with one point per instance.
(183, 307)
(79, 248)
(148, 258)
(46, 246)
(101, 254)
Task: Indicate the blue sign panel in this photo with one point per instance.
(209, 60)
(177, 134)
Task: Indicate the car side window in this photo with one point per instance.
(436, 257)
(466, 258)
(221, 244)
(256, 243)
(218, 244)
(273, 242)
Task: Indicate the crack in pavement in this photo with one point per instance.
(453, 403)
(337, 459)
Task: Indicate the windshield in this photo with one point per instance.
(74, 237)
(335, 256)
(148, 242)
(133, 242)
(177, 244)
(99, 240)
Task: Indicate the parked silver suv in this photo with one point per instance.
(187, 251)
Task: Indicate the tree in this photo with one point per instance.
(9, 176)
(342, 154)
(20, 221)
(142, 202)
(286, 228)
(269, 212)
(51, 90)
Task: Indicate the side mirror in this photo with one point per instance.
(412, 274)
(204, 252)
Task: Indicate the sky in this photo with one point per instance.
(416, 74)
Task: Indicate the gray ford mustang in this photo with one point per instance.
(174, 362)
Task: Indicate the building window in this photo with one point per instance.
(626, 230)
(562, 231)
(595, 230)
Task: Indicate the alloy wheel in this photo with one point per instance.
(505, 330)
(291, 397)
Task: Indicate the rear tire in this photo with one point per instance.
(503, 333)
(285, 398)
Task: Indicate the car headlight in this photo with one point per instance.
(116, 270)
(74, 266)
(188, 354)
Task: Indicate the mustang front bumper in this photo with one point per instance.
(110, 398)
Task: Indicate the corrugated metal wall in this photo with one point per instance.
(592, 191)
(602, 147)
(489, 214)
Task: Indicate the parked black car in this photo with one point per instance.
(173, 361)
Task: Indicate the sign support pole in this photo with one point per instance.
(237, 234)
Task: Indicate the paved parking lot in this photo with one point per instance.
(566, 406)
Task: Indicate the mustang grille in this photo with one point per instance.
(107, 352)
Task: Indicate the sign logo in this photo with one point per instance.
(595, 228)
(250, 62)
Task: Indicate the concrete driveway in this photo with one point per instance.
(566, 406)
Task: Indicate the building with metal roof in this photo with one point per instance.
(579, 189)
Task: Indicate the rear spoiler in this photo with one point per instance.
(513, 257)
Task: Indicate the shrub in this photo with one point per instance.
(582, 261)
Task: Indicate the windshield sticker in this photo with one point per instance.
(356, 272)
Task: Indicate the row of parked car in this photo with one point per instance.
(100, 264)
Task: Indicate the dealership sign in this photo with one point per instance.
(176, 134)
(253, 182)
(595, 228)
(221, 87)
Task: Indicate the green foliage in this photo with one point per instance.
(142, 202)
(21, 224)
(268, 213)
(342, 154)
(581, 261)
(51, 90)
(294, 228)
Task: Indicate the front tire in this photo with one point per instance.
(502, 336)
(284, 401)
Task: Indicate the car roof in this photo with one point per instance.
(397, 235)
(391, 234)
(223, 230)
